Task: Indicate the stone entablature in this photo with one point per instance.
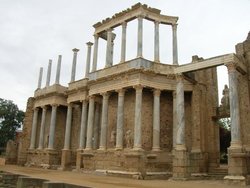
(132, 13)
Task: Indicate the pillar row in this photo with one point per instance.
(52, 127)
(120, 119)
(34, 128)
(156, 120)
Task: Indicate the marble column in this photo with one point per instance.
(83, 125)
(73, 70)
(175, 50)
(89, 44)
(137, 126)
(120, 119)
(58, 70)
(156, 120)
(33, 131)
(68, 128)
(180, 108)
(174, 119)
(104, 122)
(89, 143)
(41, 137)
(234, 107)
(123, 45)
(95, 55)
(109, 48)
(40, 78)
(96, 127)
(48, 73)
(140, 37)
(157, 43)
(52, 127)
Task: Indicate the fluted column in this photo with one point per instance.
(68, 128)
(140, 36)
(40, 78)
(89, 44)
(52, 127)
(236, 141)
(73, 70)
(109, 48)
(174, 119)
(123, 45)
(180, 137)
(58, 70)
(41, 137)
(95, 55)
(137, 126)
(156, 120)
(175, 50)
(33, 131)
(157, 43)
(104, 123)
(48, 73)
(120, 119)
(83, 125)
(89, 144)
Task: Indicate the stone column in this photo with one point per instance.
(41, 137)
(73, 70)
(48, 73)
(120, 117)
(109, 48)
(68, 128)
(89, 144)
(104, 123)
(156, 121)
(123, 46)
(157, 44)
(140, 37)
(95, 55)
(174, 119)
(52, 127)
(89, 44)
(83, 125)
(175, 50)
(137, 126)
(96, 126)
(234, 107)
(180, 109)
(40, 78)
(33, 131)
(58, 69)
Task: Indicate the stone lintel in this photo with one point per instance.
(131, 14)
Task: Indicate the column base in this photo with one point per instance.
(156, 149)
(79, 163)
(137, 149)
(236, 180)
(119, 148)
(66, 160)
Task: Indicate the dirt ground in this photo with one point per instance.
(99, 181)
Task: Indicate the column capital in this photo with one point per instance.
(138, 87)
(105, 94)
(120, 92)
(96, 36)
(140, 16)
(179, 77)
(56, 105)
(89, 44)
(174, 26)
(109, 30)
(231, 67)
(157, 92)
(75, 50)
(124, 24)
(157, 22)
(45, 107)
(91, 97)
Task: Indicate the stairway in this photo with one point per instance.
(218, 173)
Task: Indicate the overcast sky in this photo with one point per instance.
(32, 32)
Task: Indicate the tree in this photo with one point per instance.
(11, 118)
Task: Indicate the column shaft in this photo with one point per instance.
(157, 43)
(96, 126)
(94, 65)
(58, 69)
(41, 137)
(137, 126)
(175, 50)
(174, 119)
(123, 46)
(52, 127)
(48, 73)
(156, 120)
(104, 123)
(33, 132)
(40, 78)
(73, 70)
(140, 37)
(89, 44)
(120, 117)
(109, 49)
(68, 128)
(180, 137)
(83, 125)
(90, 123)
